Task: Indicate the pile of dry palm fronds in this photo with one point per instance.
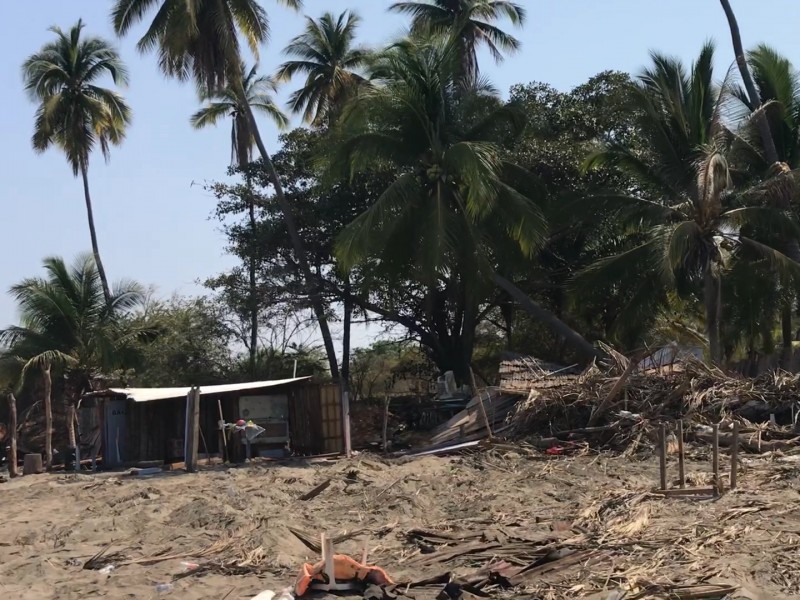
(614, 411)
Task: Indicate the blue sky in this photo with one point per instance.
(153, 222)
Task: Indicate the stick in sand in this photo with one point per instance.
(715, 456)
(385, 424)
(662, 442)
(734, 455)
(681, 457)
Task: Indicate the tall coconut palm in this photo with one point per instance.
(326, 56)
(691, 220)
(202, 40)
(457, 204)
(75, 114)
(471, 22)
(222, 103)
(226, 102)
(68, 327)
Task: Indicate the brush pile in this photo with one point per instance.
(616, 411)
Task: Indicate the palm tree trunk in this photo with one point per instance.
(556, 325)
(253, 298)
(312, 287)
(48, 417)
(95, 249)
(12, 431)
(713, 304)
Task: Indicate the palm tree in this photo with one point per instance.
(201, 40)
(226, 102)
(456, 204)
(68, 326)
(75, 114)
(327, 57)
(692, 224)
(221, 103)
(468, 21)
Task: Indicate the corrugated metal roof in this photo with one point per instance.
(151, 394)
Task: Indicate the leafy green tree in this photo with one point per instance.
(202, 40)
(470, 23)
(456, 204)
(75, 114)
(225, 102)
(68, 327)
(193, 346)
(325, 54)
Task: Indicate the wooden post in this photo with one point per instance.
(662, 442)
(681, 457)
(348, 447)
(12, 455)
(715, 455)
(480, 404)
(192, 429)
(386, 424)
(32, 464)
(734, 455)
(223, 441)
(48, 417)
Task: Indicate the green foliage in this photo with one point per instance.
(65, 323)
(389, 367)
(75, 114)
(325, 54)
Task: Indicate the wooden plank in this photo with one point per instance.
(715, 455)
(348, 446)
(687, 492)
(681, 457)
(313, 493)
(734, 455)
(662, 455)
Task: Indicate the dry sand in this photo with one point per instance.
(53, 523)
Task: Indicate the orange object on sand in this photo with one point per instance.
(345, 568)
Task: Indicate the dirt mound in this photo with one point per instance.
(199, 513)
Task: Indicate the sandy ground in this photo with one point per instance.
(53, 523)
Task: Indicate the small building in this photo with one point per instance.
(300, 418)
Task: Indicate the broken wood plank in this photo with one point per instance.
(313, 493)
(687, 492)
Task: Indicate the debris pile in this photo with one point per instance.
(617, 412)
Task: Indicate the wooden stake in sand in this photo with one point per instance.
(48, 416)
(32, 464)
(715, 455)
(734, 455)
(662, 444)
(480, 404)
(681, 457)
(385, 424)
(12, 426)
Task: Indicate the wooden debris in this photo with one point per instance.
(316, 491)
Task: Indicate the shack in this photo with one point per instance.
(300, 418)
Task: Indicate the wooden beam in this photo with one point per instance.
(348, 446)
(681, 457)
(734, 455)
(687, 492)
(386, 424)
(662, 455)
(192, 429)
(480, 404)
(12, 426)
(715, 455)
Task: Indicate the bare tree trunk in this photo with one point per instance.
(253, 298)
(544, 316)
(48, 417)
(787, 336)
(347, 322)
(713, 304)
(12, 427)
(299, 249)
(770, 153)
(95, 248)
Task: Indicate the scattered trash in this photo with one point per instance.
(189, 566)
(107, 570)
(136, 472)
(270, 595)
(73, 562)
(164, 588)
